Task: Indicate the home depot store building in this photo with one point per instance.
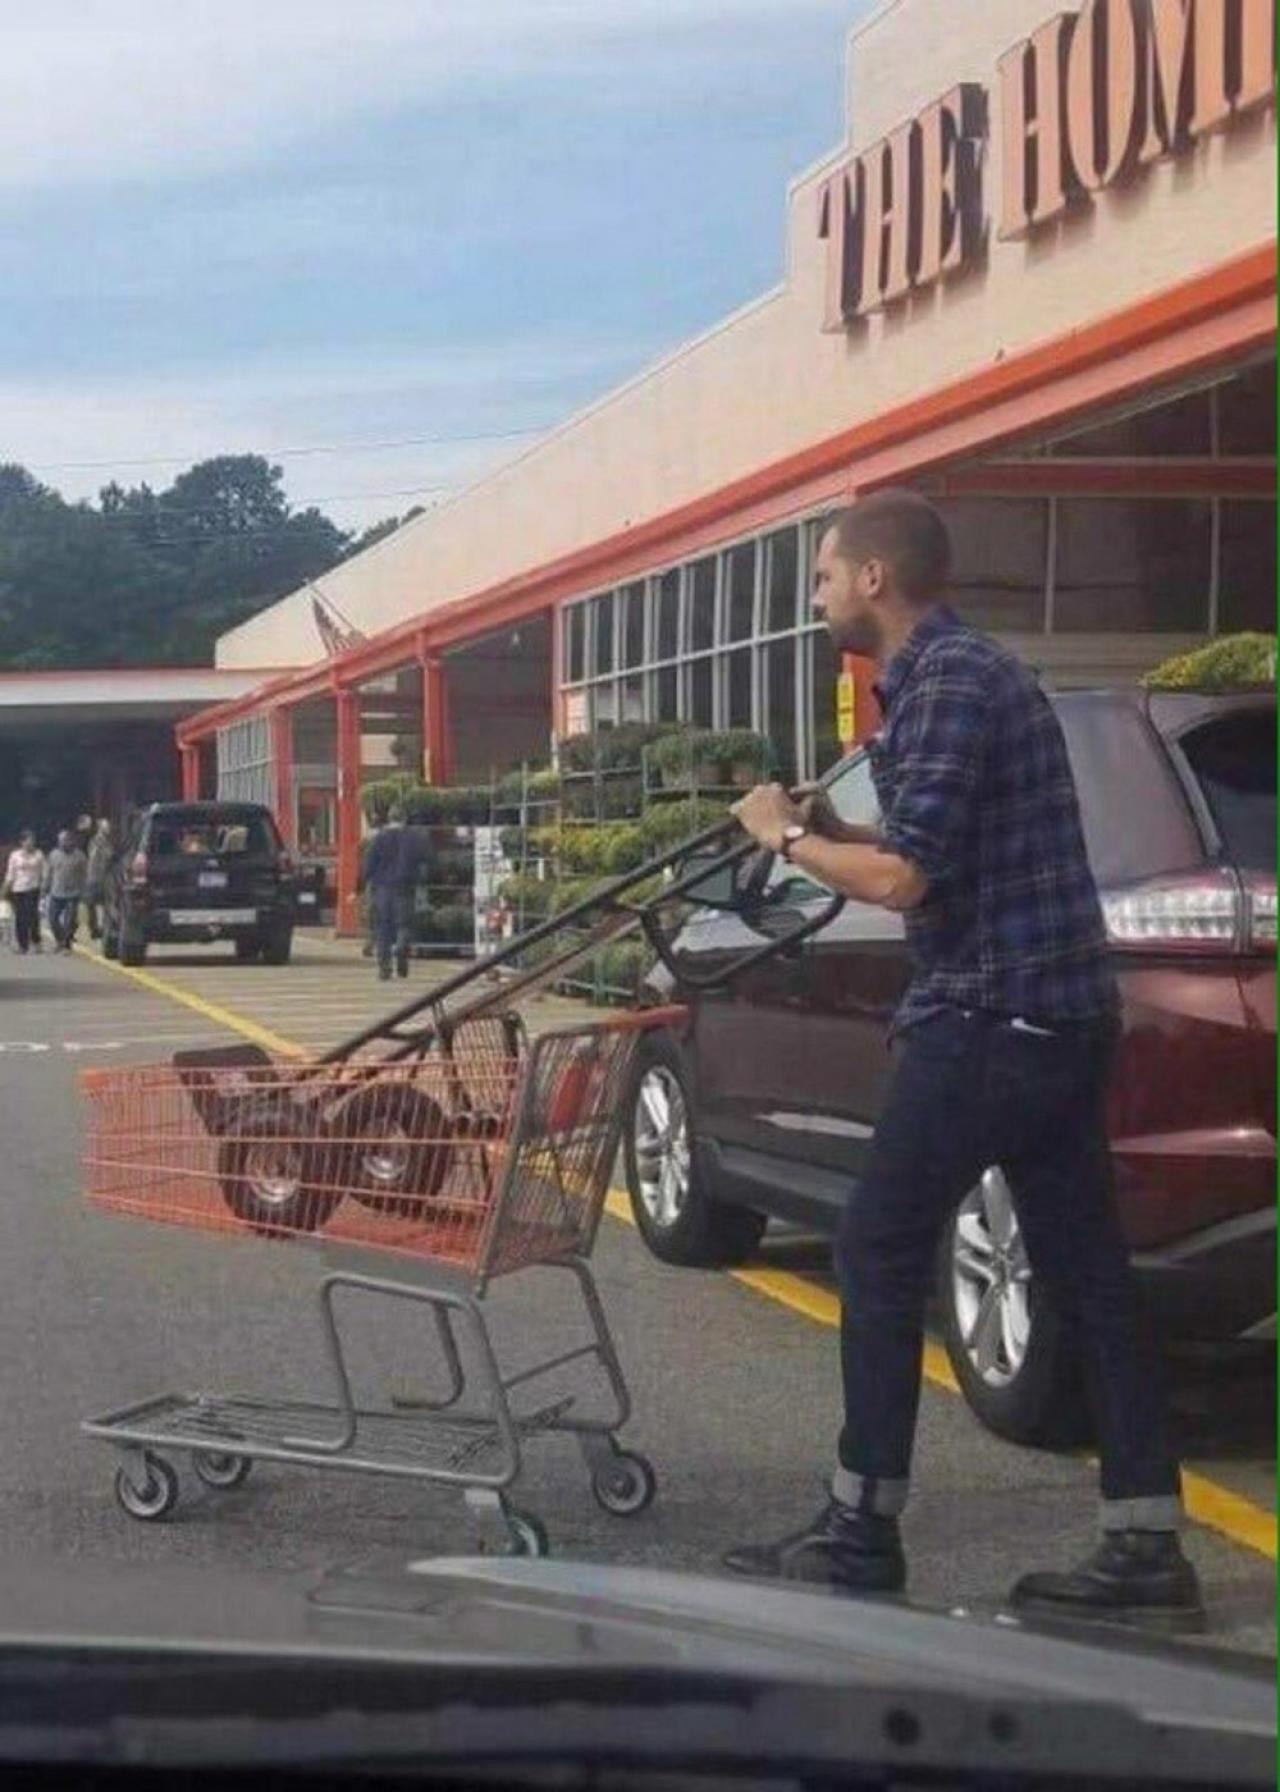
(1039, 285)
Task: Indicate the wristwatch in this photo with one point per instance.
(792, 835)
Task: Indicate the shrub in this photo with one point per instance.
(1236, 662)
(708, 756)
(666, 824)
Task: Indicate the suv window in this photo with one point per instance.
(853, 797)
(1137, 820)
(1233, 760)
(229, 836)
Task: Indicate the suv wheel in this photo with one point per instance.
(277, 944)
(1011, 1353)
(679, 1221)
(132, 942)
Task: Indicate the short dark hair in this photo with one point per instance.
(904, 530)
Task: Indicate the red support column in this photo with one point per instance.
(285, 804)
(189, 754)
(866, 710)
(348, 706)
(435, 722)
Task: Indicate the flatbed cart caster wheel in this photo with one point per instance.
(157, 1495)
(528, 1535)
(625, 1484)
(218, 1468)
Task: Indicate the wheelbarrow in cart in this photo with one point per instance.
(426, 1157)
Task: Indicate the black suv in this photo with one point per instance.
(192, 873)
(766, 1103)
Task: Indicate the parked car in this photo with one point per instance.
(193, 873)
(766, 1104)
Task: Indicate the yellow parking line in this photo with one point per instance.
(238, 1023)
(1208, 1503)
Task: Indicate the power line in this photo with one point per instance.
(177, 460)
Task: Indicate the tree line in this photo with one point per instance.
(145, 577)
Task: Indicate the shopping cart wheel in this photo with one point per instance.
(218, 1468)
(155, 1495)
(528, 1535)
(625, 1484)
(268, 1171)
(397, 1150)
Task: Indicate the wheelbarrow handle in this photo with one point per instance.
(687, 978)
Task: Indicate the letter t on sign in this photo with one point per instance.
(952, 133)
(839, 227)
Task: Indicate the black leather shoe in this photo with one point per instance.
(850, 1551)
(1133, 1577)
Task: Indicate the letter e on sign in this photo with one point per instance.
(952, 133)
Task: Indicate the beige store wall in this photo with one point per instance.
(768, 381)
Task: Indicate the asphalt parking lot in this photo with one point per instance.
(734, 1377)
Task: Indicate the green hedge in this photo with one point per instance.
(1236, 662)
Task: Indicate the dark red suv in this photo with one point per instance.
(767, 1104)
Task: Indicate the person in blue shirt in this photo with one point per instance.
(1003, 1047)
(392, 869)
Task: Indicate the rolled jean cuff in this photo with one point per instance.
(868, 1493)
(1158, 1512)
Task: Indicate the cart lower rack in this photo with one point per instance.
(427, 1180)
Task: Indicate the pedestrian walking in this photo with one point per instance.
(65, 878)
(99, 855)
(392, 869)
(1003, 1045)
(23, 882)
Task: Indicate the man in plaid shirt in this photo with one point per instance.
(1004, 1043)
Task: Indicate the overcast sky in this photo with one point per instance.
(300, 224)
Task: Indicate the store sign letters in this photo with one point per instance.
(1086, 102)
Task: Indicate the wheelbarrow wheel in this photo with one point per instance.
(395, 1149)
(152, 1498)
(528, 1536)
(625, 1485)
(219, 1468)
(267, 1168)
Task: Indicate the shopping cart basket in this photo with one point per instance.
(470, 1162)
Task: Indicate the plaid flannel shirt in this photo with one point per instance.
(976, 789)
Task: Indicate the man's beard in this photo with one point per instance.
(860, 635)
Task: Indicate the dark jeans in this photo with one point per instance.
(391, 909)
(93, 913)
(971, 1092)
(64, 915)
(26, 918)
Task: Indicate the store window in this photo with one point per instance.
(666, 694)
(1133, 566)
(632, 600)
(702, 605)
(999, 560)
(740, 581)
(1247, 412)
(781, 580)
(576, 644)
(1181, 425)
(780, 704)
(668, 624)
(701, 694)
(1247, 571)
(602, 629)
(823, 671)
(738, 688)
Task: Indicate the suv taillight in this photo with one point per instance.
(1260, 897)
(138, 868)
(1197, 913)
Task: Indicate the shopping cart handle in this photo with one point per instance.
(727, 973)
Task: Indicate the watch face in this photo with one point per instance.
(793, 833)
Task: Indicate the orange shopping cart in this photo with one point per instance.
(446, 1149)
(490, 1155)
